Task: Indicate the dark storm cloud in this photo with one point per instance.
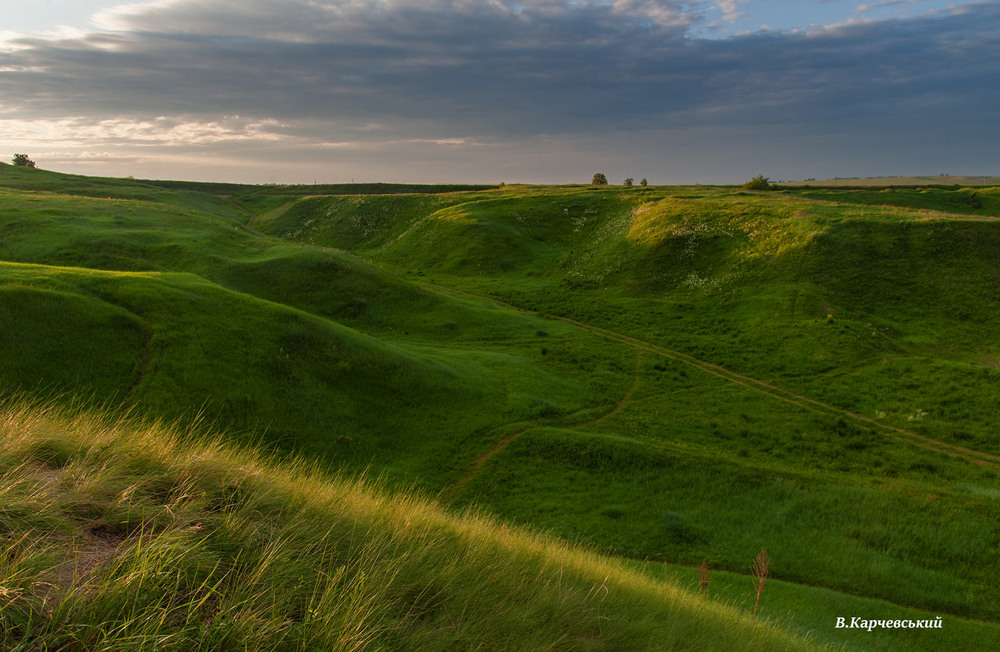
(502, 69)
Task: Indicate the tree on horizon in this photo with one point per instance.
(22, 160)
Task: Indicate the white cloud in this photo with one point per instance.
(884, 3)
(730, 10)
(13, 41)
(81, 131)
(122, 17)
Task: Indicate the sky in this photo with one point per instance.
(483, 91)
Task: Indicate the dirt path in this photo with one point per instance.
(762, 387)
(251, 217)
(781, 394)
(144, 355)
(450, 492)
(759, 386)
(621, 403)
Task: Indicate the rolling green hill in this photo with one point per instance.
(670, 374)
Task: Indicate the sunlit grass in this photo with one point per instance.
(120, 534)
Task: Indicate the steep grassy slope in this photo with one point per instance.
(124, 536)
(194, 344)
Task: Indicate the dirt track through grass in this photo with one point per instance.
(621, 402)
(144, 355)
(448, 494)
(929, 443)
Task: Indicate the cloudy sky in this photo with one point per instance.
(536, 91)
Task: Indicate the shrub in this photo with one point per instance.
(759, 182)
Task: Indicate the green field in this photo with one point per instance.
(664, 375)
(940, 180)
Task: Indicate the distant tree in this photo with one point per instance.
(628, 182)
(599, 179)
(644, 182)
(22, 160)
(759, 182)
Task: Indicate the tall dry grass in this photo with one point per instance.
(119, 533)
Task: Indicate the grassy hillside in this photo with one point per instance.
(830, 298)
(259, 335)
(119, 535)
(801, 364)
(666, 374)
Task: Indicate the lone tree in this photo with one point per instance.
(644, 182)
(628, 182)
(599, 179)
(22, 160)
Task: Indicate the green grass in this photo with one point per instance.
(270, 370)
(681, 503)
(816, 610)
(672, 373)
(258, 334)
(881, 311)
(943, 180)
(124, 535)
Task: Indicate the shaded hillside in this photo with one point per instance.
(183, 311)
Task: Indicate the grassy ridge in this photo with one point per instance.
(35, 179)
(297, 190)
(119, 535)
(836, 301)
